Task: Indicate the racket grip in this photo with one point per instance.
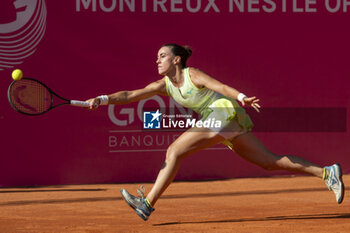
(79, 103)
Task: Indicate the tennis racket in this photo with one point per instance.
(32, 97)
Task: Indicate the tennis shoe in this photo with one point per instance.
(334, 181)
(138, 203)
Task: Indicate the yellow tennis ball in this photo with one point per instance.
(17, 74)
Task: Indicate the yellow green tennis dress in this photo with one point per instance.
(211, 105)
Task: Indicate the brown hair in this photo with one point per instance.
(183, 51)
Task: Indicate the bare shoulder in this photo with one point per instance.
(158, 86)
(198, 77)
(195, 71)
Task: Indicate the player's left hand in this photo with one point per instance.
(251, 101)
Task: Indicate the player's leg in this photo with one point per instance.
(191, 141)
(252, 149)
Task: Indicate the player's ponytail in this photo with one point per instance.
(183, 51)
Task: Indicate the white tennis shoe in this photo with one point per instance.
(334, 181)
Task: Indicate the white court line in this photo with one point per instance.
(150, 150)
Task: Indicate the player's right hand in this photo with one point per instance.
(94, 103)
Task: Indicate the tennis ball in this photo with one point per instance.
(17, 74)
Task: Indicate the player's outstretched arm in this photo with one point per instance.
(125, 97)
(201, 79)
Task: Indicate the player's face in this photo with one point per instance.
(165, 60)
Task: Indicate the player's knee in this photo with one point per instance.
(172, 153)
(271, 163)
(269, 166)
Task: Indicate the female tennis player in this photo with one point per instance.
(210, 98)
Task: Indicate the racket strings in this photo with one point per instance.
(30, 97)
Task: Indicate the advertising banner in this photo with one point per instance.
(291, 54)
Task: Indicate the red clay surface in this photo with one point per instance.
(284, 204)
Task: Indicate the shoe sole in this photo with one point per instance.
(141, 215)
(340, 175)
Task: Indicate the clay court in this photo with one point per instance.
(279, 204)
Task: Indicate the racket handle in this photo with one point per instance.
(79, 103)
